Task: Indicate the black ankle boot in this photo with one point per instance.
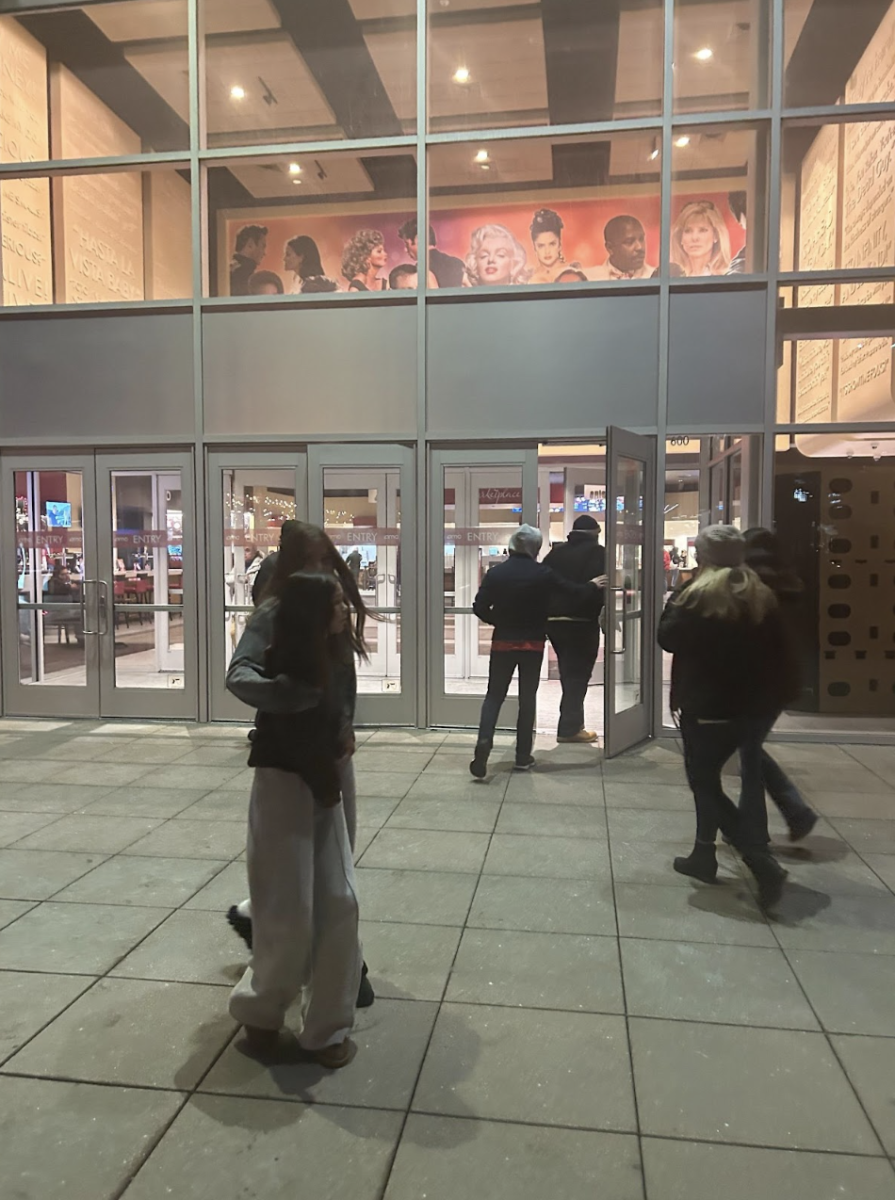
(701, 863)
(479, 765)
(769, 876)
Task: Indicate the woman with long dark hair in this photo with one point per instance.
(307, 548)
(302, 257)
(728, 674)
(299, 859)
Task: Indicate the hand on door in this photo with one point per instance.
(600, 581)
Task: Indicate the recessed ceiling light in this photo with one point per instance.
(296, 181)
(294, 169)
(654, 154)
(481, 156)
(237, 92)
(485, 166)
(704, 54)
(461, 75)
(682, 141)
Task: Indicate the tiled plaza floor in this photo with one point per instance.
(558, 1014)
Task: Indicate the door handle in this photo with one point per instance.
(103, 606)
(85, 583)
(624, 646)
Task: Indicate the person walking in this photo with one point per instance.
(728, 673)
(574, 624)
(764, 557)
(305, 547)
(514, 598)
(299, 860)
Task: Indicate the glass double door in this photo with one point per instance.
(363, 497)
(478, 497)
(99, 608)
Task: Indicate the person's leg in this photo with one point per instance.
(501, 665)
(529, 663)
(336, 964)
(580, 645)
(707, 747)
(562, 644)
(281, 885)
(349, 797)
(799, 816)
(752, 806)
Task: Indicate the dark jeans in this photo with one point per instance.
(707, 747)
(577, 644)
(760, 774)
(500, 673)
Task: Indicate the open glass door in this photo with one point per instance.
(630, 595)
(479, 497)
(364, 497)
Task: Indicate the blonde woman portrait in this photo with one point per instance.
(362, 260)
(495, 258)
(700, 243)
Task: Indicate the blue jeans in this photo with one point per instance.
(502, 666)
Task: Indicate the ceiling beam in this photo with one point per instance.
(833, 38)
(581, 54)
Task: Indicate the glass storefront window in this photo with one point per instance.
(494, 64)
(546, 210)
(838, 197)
(104, 80)
(838, 52)
(93, 238)
(719, 200)
(285, 72)
(362, 516)
(833, 516)
(721, 55)
(313, 224)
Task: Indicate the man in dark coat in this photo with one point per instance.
(574, 624)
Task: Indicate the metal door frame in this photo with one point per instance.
(385, 708)
(222, 706)
(623, 730)
(44, 700)
(149, 703)
(463, 711)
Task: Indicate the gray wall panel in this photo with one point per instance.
(716, 358)
(302, 370)
(97, 376)
(508, 366)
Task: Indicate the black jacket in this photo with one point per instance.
(579, 559)
(515, 598)
(241, 271)
(725, 669)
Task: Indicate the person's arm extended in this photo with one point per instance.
(483, 605)
(247, 681)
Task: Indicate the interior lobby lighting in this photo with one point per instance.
(461, 75)
(237, 92)
(481, 156)
(294, 169)
(654, 153)
(682, 141)
(705, 54)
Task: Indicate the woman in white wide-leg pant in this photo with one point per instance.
(304, 913)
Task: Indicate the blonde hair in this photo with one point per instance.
(720, 260)
(479, 235)
(728, 593)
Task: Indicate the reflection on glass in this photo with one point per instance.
(482, 507)
(591, 211)
(306, 224)
(493, 65)
(362, 516)
(719, 201)
(721, 55)
(255, 505)
(147, 579)
(286, 72)
(626, 613)
(112, 238)
(49, 540)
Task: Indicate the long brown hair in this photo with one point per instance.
(305, 546)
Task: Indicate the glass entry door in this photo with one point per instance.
(364, 497)
(251, 494)
(478, 498)
(99, 615)
(630, 595)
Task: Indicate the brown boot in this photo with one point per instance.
(333, 1058)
